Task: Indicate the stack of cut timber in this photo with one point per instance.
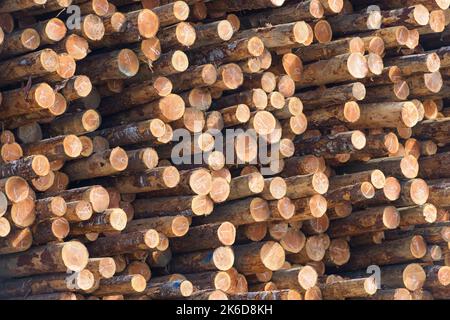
(120, 176)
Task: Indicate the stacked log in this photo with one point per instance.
(225, 149)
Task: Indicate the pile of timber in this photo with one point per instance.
(350, 201)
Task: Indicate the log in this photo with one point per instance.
(18, 102)
(176, 226)
(389, 114)
(27, 168)
(78, 124)
(96, 195)
(208, 236)
(62, 147)
(258, 257)
(160, 288)
(16, 189)
(221, 258)
(121, 284)
(47, 284)
(54, 229)
(34, 64)
(133, 133)
(121, 64)
(144, 239)
(110, 220)
(344, 142)
(106, 163)
(352, 288)
(369, 220)
(400, 167)
(240, 212)
(18, 240)
(20, 42)
(389, 252)
(58, 257)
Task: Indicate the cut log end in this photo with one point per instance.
(5, 227)
(90, 120)
(58, 206)
(225, 30)
(316, 9)
(278, 188)
(128, 63)
(44, 95)
(223, 258)
(49, 60)
(433, 81)
(444, 275)
(322, 31)
(313, 293)
(293, 241)
(40, 165)
(293, 66)
(217, 295)
(318, 205)
(335, 6)
(220, 190)
(357, 65)
(60, 228)
(376, 46)
(185, 34)
(255, 46)
(259, 209)
(409, 114)
(418, 247)
(367, 190)
(307, 277)
(285, 208)
(17, 189)
(138, 283)
(118, 219)
(77, 47)
(55, 29)
(75, 255)
(152, 238)
(272, 255)
(30, 39)
(430, 212)
(186, 288)
(180, 226)
(421, 14)
(391, 217)
(320, 182)
(66, 66)
(409, 166)
(437, 20)
(264, 122)
(356, 45)
(226, 233)
(375, 63)
(419, 191)
(351, 111)
(82, 86)
(414, 276)
(358, 139)
(72, 146)
(298, 124)
(339, 252)
(370, 285)
(392, 189)
(93, 27)
(232, 76)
